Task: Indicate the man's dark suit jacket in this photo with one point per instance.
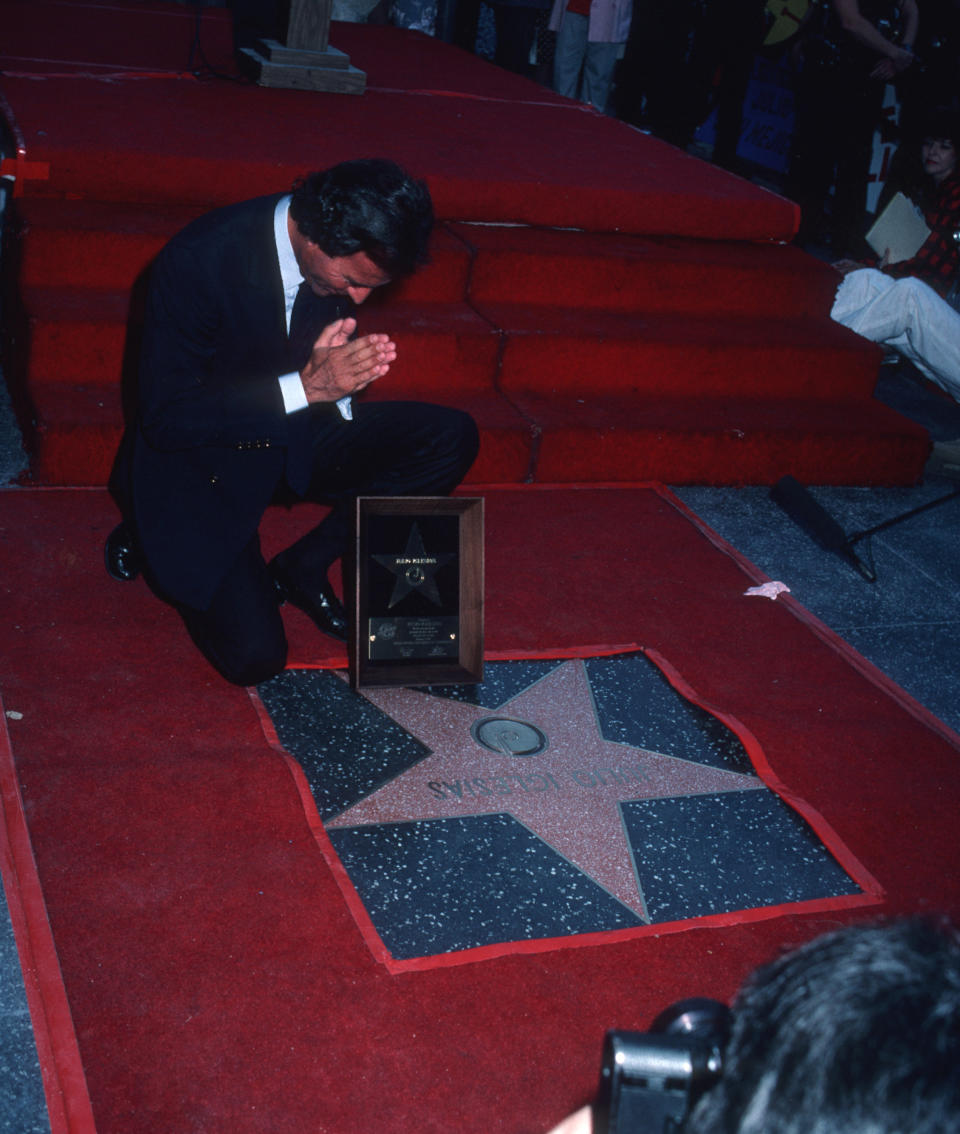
(212, 439)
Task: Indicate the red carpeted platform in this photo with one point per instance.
(608, 307)
(191, 961)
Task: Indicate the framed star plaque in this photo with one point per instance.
(417, 615)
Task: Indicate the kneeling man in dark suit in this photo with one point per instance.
(249, 364)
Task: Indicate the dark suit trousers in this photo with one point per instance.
(389, 449)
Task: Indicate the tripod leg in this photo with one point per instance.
(807, 514)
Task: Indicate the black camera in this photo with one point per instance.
(650, 1081)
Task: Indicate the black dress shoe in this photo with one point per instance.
(121, 555)
(321, 604)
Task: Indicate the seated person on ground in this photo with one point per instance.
(904, 305)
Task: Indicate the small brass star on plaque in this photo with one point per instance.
(415, 570)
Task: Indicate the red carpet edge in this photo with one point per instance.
(64, 1081)
(821, 629)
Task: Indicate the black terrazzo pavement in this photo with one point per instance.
(441, 884)
(710, 854)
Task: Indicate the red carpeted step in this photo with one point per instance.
(48, 34)
(486, 157)
(561, 439)
(76, 335)
(448, 354)
(75, 433)
(620, 272)
(608, 376)
(590, 354)
(80, 335)
(108, 244)
(443, 279)
(443, 350)
(507, 440)
(78, 316)
(92, 244)
(723, 440)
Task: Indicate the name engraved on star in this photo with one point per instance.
(571, 796)
(513, 782)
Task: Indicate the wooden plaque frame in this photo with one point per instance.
(387, 527)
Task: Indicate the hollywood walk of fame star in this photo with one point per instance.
(568, 793)
(415, 570)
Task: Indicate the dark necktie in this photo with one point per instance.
(302, 336)
(310, 314)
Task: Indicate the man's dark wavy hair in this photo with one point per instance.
(857, 1032)
(370, 205)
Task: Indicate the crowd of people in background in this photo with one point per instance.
(667, 65)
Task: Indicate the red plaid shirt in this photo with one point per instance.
(938, 261)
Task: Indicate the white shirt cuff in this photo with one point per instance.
(295, 398)
(292, 392)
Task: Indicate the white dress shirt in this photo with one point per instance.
(291, 387)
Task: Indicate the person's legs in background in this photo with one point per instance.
(907, 315)
(569, 54)
(598, 70)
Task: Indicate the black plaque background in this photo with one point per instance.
(388, 535)
(447, 527)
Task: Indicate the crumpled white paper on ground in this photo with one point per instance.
(768, 590)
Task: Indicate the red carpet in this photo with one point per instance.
(173, 905)
(673, 337)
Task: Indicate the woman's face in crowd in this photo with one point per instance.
(939, 157)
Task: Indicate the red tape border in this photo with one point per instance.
(64, 1082)
(872, 891)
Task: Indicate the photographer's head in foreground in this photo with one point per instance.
(857, 1032)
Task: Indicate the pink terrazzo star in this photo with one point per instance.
(568, 794)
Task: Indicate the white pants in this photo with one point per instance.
(598, 60)
(906, 315)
